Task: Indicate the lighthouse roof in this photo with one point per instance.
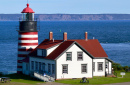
(27, 10)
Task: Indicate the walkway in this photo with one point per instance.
(54, 83)
(125, 83)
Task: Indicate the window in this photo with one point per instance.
(41, 52)
(80, 55)
(65, 69)
(32, 65)
(93, 66)
(53, 69)
(43, 67)
(84, 68)
(69, 56)
(49, 68)
(100, 66)
(26, 66)
(36, 66)
(39, 66)
(107, 65)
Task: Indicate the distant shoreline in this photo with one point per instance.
(68, 17)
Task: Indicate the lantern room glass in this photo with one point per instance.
(28, 17)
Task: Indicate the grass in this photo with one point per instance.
(99, 80)
(22, 79)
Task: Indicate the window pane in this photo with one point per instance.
(65, 68)
(49, 68)
(80, 55)
(32, 65)
(43, 67)
(84, 68)
(53, 69)
(69, 56)
(93, 66)
(100, 66)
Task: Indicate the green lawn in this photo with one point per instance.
(99, 80)
(20, 78)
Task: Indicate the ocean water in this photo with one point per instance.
(114, 36)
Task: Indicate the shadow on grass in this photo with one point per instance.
(20, 76)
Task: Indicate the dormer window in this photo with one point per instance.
(41, 52)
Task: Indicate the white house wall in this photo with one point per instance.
(51, 49)
(74, 66)
(96, 72)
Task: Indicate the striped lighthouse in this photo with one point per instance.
(27, 36)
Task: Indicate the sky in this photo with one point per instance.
(67, 6)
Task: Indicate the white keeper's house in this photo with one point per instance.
(67, 59)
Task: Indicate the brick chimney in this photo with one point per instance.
(50, 35)
(86, 36)
(65, 36)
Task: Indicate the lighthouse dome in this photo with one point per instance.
(27, 10)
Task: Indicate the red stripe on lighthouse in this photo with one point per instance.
(28, 33)
(19, 66)
(19, 61)
(25, 49)
(19, 72)
(27, 44)
(28, 38)
(22, 55)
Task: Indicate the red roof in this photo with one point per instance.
(27, 10)
(49, 43)
(92, 47)
(59, 50)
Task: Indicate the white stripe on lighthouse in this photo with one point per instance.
(28, 36)
(27, 47)
(28, 41)
(20, 58)
(19, 69)
(19, 64)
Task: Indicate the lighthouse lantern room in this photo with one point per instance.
(28, 36)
